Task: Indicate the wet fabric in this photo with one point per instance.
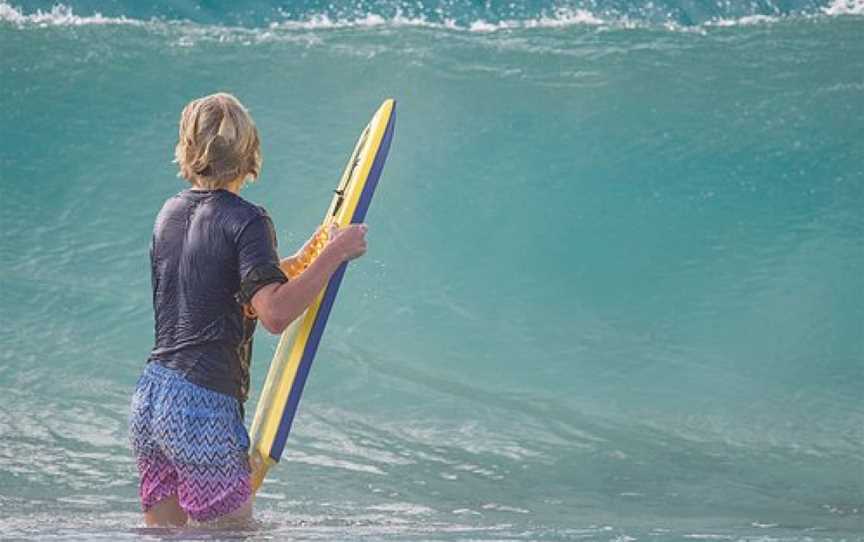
(211, 251)
(188, 441)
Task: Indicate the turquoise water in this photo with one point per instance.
(614, 287)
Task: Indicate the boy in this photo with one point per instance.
(215, 271)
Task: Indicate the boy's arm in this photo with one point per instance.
(277, 305)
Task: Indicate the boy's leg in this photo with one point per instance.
(158, 490)
(166, 513)
(240, 516)
(244, 513)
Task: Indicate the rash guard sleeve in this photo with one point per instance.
(257, 259)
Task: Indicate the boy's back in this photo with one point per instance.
(204, 243)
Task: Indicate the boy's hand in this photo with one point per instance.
(350, 241)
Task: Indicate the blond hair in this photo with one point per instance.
(218, 142)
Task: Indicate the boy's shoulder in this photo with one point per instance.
(224, 208)
(221, 198)
(246, 207)
(238, 201)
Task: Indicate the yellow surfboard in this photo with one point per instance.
(283, 387)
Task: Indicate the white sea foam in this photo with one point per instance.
(371, 20)
(60, 15)
(560, 18)
(749, 20)
(503, 508)
(845, 7)
(327, 461)
(403, 508)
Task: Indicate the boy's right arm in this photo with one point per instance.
(277, 305)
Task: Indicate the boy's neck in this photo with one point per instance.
(233, 187)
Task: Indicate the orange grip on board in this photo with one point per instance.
(300, 264)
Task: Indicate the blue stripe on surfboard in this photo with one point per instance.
(329, 297)
(375, 172)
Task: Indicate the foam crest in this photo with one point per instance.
(63, 15)
(845, 7)
(749, 20)
(371, 20)
(59, 15)
(560, 18)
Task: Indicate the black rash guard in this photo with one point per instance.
(211, 251)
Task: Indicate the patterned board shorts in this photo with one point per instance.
(190, 442)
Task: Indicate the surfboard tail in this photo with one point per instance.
(258, 465)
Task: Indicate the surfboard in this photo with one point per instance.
(289, 369)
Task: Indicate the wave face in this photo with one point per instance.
(614, 288)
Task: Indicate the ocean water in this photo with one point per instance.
(614, 290)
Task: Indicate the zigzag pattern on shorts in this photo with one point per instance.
(188, 441)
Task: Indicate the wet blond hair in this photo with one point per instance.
(218, 142)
